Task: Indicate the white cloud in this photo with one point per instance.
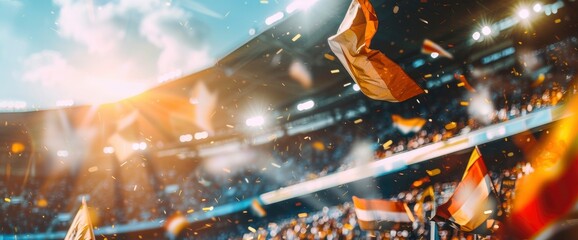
(93, 27)
(121, 29)
(48, 68)
(58, 77)
(182, 47)
(123, 47)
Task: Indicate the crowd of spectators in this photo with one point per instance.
(339, 222)
(183, 187)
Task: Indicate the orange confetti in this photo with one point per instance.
(433, 172)
(329, 57)
(451, 125)
(387, 144)
(464, 82)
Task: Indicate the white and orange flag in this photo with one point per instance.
(378, 76)
(371, 213)
(429, 47)
(81, 227)
(407, 125)
(175, 224)
(473, 201)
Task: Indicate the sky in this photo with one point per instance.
(58, 52)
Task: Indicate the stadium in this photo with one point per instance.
(280, 137)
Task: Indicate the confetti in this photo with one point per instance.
(296, 37)
(358, 121)
(302, 215)
(433, 172)
(276, 165)
(190, 211)
(7, 200)
(424, 21)
(93, 169)
(347, 84)
(334, 71)
(510, 154)
(427, 75)
(329, 57)
(464, 103)
(252, 229)
(451, 125)
(395, 9)
(558, 20)
(206, 209)
(226, 170)
(230, 126)
(387, 144)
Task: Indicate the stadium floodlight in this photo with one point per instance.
(201, 135)
(476, 36)
(65, 103)
(62, 153)
(537, 7)
(256, 121)
(356, 87)
(274, 18)
(108, 150)
(139, 146)
(305, 105)
(486, 30)
(523, 13)
(186, 138)
(299, 5)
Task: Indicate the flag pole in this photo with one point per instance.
(433, 228)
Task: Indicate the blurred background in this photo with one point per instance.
(237, 117)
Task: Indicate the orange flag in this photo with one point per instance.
(378, 77)
(407, 125)
(429, 47)
(464, 82)
(547, 197)
(473, 202)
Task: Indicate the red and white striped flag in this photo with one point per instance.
(371, 213)
(473, 201)
(378, 77)
(429, 47)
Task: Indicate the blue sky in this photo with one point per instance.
(95, 51)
